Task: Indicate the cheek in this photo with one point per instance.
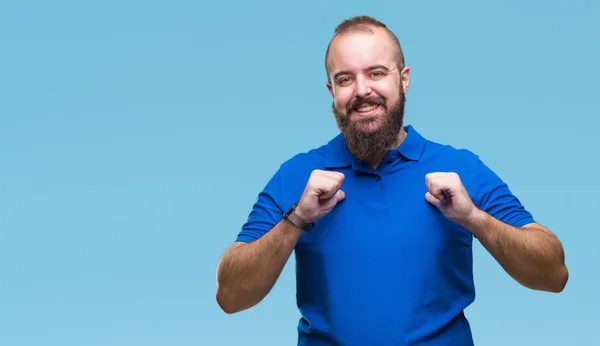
(391, 98)
(341, 102)
(391, 94)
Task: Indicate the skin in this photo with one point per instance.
(247, 272)
(531, 254)
(363, 65)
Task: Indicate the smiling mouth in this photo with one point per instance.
(366, 108)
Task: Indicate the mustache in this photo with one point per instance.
(374, 100)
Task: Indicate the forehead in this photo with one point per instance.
(358, 50)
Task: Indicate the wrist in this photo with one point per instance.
(300, 214)
(296, 217)
(475, 221)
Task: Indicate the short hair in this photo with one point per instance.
(364, 23)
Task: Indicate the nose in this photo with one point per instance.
(362, 87)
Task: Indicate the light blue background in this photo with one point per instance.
(134, 137)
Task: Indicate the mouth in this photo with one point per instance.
(366, 109)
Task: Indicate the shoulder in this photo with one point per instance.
(449, 157)
(297, 169)
(311, 159)
(475, 175)
(288, 182)
(301, 165)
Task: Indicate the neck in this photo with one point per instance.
(375, 160)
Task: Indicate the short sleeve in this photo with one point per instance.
(266, 211)
(493, 196)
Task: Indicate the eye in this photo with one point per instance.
(377, 74)
(344, 81)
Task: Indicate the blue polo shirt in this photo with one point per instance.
(384, 267)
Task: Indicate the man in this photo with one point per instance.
(382, 219)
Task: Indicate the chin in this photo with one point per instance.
(368, 125)
(368, 129)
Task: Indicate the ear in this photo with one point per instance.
(405, 78)
(330, 88)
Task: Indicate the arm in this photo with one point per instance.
(531, 254)
(248, 271)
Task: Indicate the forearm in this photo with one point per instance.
(531, 255)
(247, 272)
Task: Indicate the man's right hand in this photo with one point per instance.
(321, 194)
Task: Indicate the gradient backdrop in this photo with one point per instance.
(134, 137)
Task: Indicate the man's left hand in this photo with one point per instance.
(447, 193)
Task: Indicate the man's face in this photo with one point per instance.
(368, 90)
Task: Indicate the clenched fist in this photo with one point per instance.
(321, 194)
(447, 193)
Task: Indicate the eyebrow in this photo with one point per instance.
(378, 67)
(370, 68)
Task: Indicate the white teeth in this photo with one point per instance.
(366, 108)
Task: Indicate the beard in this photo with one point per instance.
(372, 136)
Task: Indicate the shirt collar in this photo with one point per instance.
(338, 155)
(413, 145)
